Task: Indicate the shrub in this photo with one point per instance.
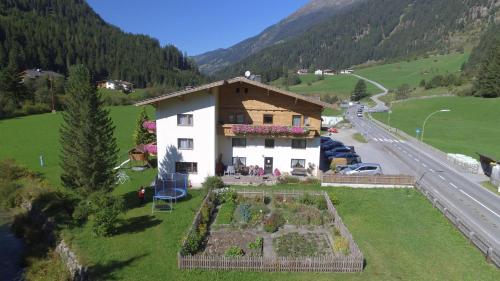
(234, 251)
(274, 222)
(205, 212)
(288, 179)
(257, 244)
(105, 219)
(202, 230)
(321, 203)
(192, 244)
(10, 170)
(227, 196)
(8, 194)
(244, 212)
(213, 182)
(341, 245)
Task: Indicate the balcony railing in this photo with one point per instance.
(280, 131)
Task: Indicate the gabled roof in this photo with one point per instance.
(232, 81)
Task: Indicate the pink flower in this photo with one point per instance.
(149, 125)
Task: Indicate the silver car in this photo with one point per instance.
(363, 169)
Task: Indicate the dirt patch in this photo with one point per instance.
(302, 245)
(220, 241)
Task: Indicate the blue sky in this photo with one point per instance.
(195, 26)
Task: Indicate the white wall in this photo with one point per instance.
(203, 133)
(282, 152)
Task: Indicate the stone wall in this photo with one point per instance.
(77, 270)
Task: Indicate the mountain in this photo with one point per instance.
(314, 12)
(54, 34)
(376, 30)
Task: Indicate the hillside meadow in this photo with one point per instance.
(472, 125)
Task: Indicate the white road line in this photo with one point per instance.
(416, 159)
(442, 177)
(423, 164)
(465, 193)
(453, 185)
(431, 170)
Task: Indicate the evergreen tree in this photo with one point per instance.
(359, 90)
(89, 150)
(487, 84)
(12, 91)
(141, 135)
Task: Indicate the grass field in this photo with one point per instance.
(470, 127)
(400, 234)
(26, 138)
(412, 72)
(339, 85)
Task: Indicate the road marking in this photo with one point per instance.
(432, 170)
(423, 164)
(416, 159)
(453, 185)
(465, 193)
(442, 177)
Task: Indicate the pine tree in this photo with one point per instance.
(141, 135)
(89, 150)
(359, 90)
(487, 84)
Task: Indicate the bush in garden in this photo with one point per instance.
(202, 229)
(244, 212)
(286, 179)
(321, 203)
(274, 222)
(257, 244)
(234, 251)
(192, 244)
(341, 245)
(334, 199)
(228, 196)
(213, 182)
(205, 212)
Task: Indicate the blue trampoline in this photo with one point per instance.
(168, 189)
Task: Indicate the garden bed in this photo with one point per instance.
(269, 231)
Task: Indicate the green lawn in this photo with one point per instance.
(401, 235)
(26, 138)
(412, 72)
(339, 85)
(470, 127)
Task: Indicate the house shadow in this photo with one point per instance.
(105, 271)
(137, 224)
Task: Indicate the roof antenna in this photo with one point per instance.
(247, 74)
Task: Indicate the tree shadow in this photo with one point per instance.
(137, 224)
(105, 271)
(167, 164)
(132, 199)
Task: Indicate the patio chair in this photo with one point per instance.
(229, 170)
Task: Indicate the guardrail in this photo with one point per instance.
(491, 254)
(396, 180)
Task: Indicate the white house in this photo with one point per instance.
(239, 120)
(318, 72)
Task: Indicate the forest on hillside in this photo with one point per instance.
(55, 34)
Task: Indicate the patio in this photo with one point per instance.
(249, 180)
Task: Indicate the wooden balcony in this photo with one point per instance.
(227, 131)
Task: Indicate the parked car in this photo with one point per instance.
(352, 158)
(331, 145)
(363, 169)
(337, 150)
(360, 114)
(324, 139)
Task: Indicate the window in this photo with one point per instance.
(298, 163)
(186, 167)
(246, 90)
(306, 121)
(296, 120)
(239, 142)
(239, 161)
(299, 143)
(185, 144)
(268, 119)
(269, 143)
(240, 118)
(184, 119)
(237, 90)
(231, 119)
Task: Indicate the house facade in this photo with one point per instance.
(236, 122)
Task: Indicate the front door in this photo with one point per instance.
(268, 165)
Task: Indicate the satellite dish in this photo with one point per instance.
(247, 74)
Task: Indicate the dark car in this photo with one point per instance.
(352, 158)
(325, 139)
(337, 150)
(331, 145)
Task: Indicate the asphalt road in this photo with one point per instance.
(478, 206)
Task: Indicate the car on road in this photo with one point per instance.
(363, 169)
(352, 158)
(360, 114)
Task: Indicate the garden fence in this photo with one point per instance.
(396, 180)
(353, 262)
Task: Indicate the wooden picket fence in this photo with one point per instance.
(396, 180)
(353, 262)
